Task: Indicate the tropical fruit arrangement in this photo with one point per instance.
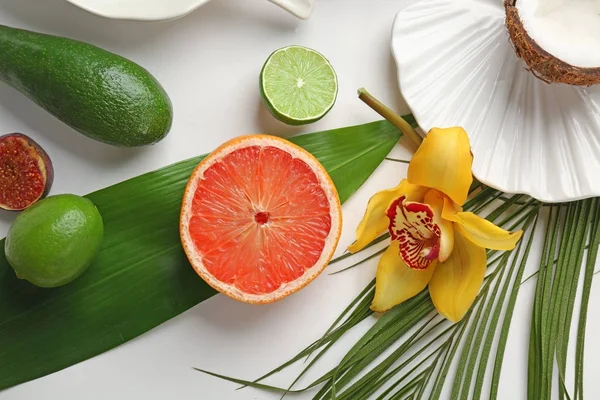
(260, 217)
(258, 198)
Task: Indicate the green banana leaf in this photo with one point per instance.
(141, 277)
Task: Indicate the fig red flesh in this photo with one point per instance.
(26, 172)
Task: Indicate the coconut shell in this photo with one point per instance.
(542, 64)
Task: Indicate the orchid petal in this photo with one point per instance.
(397, 282)
(450, 209)
(443, 162)
(484, 233)
(456, 282)
(375, 221)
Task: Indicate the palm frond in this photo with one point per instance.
(556, 290)
(410, 351)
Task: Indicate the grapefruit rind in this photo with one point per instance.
(330, 242)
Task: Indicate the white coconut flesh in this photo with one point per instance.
(567, 29)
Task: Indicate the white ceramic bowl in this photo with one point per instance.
(163, 10)
(456, 66)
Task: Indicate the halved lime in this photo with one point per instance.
(298, 85)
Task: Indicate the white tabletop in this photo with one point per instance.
(209, 63)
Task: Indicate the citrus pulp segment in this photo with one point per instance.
(298, 85)
(260, 218)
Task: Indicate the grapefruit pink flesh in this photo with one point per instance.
(259, 219)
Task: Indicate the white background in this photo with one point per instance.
(209, 63)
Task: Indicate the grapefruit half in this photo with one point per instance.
(260, 218)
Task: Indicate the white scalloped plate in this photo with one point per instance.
(164, 10)
(456, 66)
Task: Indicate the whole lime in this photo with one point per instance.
(55, 240)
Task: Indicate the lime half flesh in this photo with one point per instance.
(298, 85)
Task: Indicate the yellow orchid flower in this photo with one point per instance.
(434, 242)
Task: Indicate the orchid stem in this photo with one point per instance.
(391, 116)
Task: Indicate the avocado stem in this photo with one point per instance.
(389, 115)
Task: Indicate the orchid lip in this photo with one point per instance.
(411, 224)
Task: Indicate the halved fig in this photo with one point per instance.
(26, 172)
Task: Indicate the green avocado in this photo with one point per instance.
(100, 94)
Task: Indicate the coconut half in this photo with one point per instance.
(558, 39)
